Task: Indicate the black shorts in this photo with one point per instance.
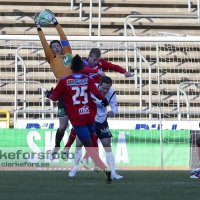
(62, 112)
(102, 130)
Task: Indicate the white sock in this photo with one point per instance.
(110, 159)
(77, 157)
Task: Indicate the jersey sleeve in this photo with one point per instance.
(63, 39)
(113, 103)
(58, 91)
(93, 89)
(110, 66)
(47, 50)
(88, 70)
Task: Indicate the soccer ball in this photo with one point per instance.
(44, 18)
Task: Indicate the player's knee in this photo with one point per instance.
(78, 148)
(87, 143)
(62, 128)
(63, 124)
(107, 145)
(79, 145)
(60, 131)
(108, 149)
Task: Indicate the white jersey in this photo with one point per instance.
(101, 110)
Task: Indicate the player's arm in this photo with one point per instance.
(47, 50)
(113, 105)
(110, 66)
(93, 89)
(88, 70)
(63, 38)
(55, 94)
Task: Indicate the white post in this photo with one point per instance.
(72, 4)
(80, 10)
(159, 107)
(16, 79)
(99, 21)
(189, 6)
(198, 10)
(90, 25)
(126, 46)
(140, 83)
(24, 103)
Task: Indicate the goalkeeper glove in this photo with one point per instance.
(104, 102)
(48, 92)
(35, 17)
(54, 20)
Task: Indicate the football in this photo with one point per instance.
(44, 18)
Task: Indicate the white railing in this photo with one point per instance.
(186, 98)
(120, 39)
(16, 82)
(102, 38)
(175, 34)
(24, 111)
(136, 16)
(135, 51)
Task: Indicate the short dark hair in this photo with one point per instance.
(77, 64)
(105, 79)
(55, 41)
(95, 51)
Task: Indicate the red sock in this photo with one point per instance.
(94, 139)
(198, 150)
(95, 157)
(72, 137)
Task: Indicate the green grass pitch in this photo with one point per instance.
(137, 185)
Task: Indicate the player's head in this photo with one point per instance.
(105, 84)
(94, 57)
(56, 47)
(77, 64)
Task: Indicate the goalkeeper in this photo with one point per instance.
(59, 56)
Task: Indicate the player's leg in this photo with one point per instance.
(83, 133)
(104, 134)
(71, 138)
(85, 158)
(63, 123)
(77, 157)
(198, 145)
(196, 170)
(110, 159)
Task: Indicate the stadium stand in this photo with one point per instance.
(177, 63)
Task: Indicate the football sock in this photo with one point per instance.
(77, 157)
(94, 139)
(95, 157)
(110, 159)
(59, 137)
(71, 139)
